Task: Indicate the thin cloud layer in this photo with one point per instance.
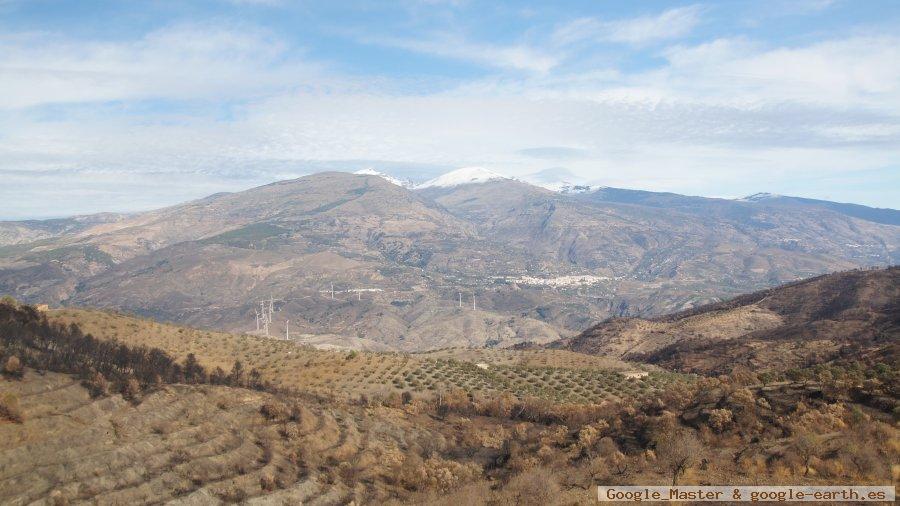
(683, 99)
(669, 24)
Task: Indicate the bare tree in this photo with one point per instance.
(807, 446)
(678, 451)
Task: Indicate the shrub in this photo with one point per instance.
(532, 487)
(720, 419)
(267, 482)
(275, 410)
(678, 451)
(97, 385)
(9, 408)
(131, 390)
(290, 431)
(13, 368)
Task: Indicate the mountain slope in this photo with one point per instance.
(852, 315)
(357, 256)
(873, 214)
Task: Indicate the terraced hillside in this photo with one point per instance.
(552, 374)
(196, 445)
(185, 436)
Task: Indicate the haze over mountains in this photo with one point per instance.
(404, 260)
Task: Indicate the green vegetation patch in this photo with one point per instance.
(254, 236)
(88, 252)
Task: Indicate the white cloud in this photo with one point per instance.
(670, 24)
(858, 71)
(725, 116)
(512, 56)
(177, 62)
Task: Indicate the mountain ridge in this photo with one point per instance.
(542, 265)
(850, 315)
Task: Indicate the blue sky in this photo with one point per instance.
(126, 105)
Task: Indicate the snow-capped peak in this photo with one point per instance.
(757, 197)
(566, 187)
(465, 175)
(387, 177)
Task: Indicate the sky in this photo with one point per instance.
(124, 105)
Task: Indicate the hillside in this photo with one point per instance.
(557, 374)
(382, 266)
(70, 433)
(853, 315)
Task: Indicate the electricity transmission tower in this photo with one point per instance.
(264, 315)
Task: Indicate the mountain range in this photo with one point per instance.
(469, 258)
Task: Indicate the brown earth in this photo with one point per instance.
(853, 315)
(208, 263)
(552, 374)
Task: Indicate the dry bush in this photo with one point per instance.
(556, 435)
(9, 407)
(535, 487)
(720, 419)
(131, 390)
(806, 447)
(13, 368)
(435, 473)
(500, 406)
(267, 482)
(275, 411)
(678, 451)
(97, 385)
(290, 431)
(519, 459)
(296, 412)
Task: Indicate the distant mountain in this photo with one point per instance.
(559, 180)
(387, 177)
(405, 263)
(21, 232)
(873, 214)
(464, 176)
(847, 315)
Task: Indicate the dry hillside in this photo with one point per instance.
(853, 315)
(557, 374)
(541, 265)
(102, 421)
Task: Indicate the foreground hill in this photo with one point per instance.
(96, 421)
(476, 261)
(559, 375)
(848, 315)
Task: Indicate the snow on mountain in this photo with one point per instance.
(465, 175)
(757, 197)
(387, 177)
(566, 187)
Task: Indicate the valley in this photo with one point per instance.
(105, 408)
(449, 252)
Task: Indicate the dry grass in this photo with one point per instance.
(552, 374)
